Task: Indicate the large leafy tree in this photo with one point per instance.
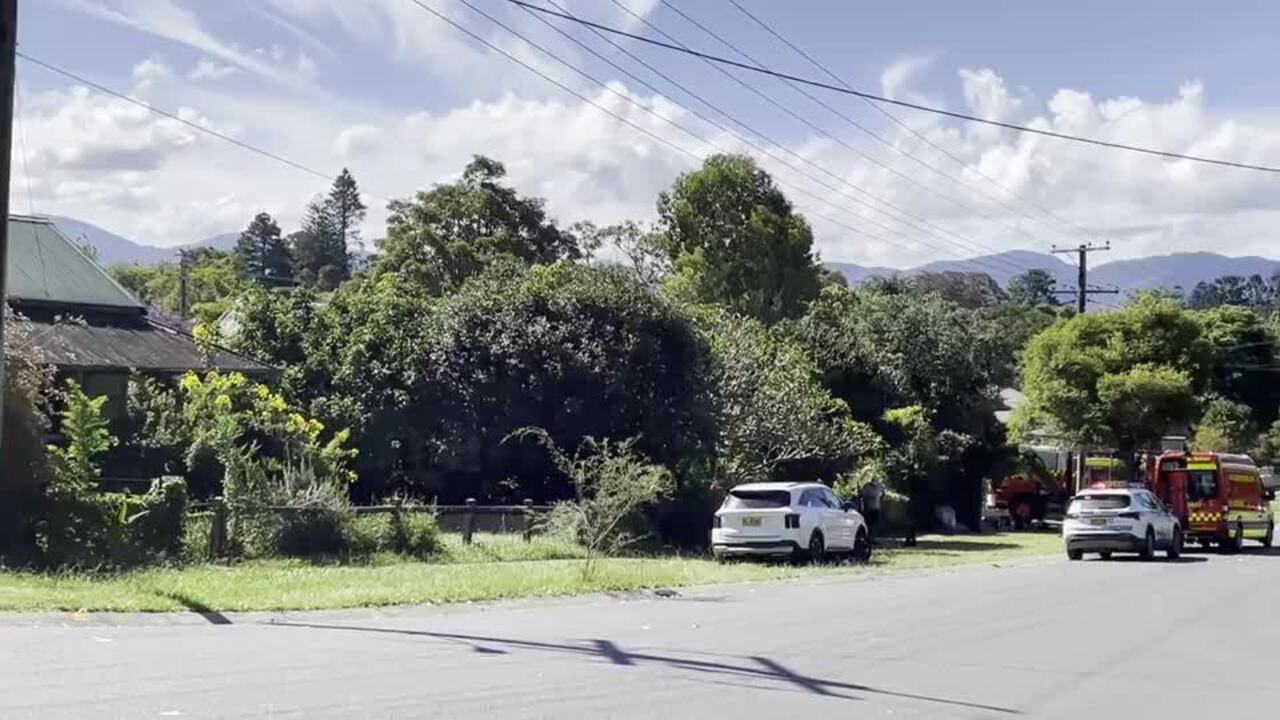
(330, 226)
(1034, 287)
(261, 254)
(444, 236)
(776, 419)
(1119, 378)
(1225, 426)
(735, 240)
(1245, 354)
(968, 289)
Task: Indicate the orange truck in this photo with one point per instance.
(1220, 498)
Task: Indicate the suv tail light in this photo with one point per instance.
(1072, 516)
(792, 522)
(716, 521)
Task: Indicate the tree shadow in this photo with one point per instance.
(960, 545)
(754, 669)
(212, 616)
(1181, 560)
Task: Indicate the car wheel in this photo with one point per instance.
(817, 547)
(862, 547)
(1270, 536)
(1105, 554)
(1074, 554)
(1175, 545)
(1148, 546)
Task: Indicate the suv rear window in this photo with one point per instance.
(756, 499)
(1202, 485)
(1100, 502)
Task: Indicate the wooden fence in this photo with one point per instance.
(466, 520)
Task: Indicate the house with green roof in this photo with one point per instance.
(88, 326)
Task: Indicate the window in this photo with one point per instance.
(831, 499)
(1099, 502)
(1202, 485)
(756, 499)
(811, 498)
(115, 386)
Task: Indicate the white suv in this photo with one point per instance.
(787, 519)
(1120, 520)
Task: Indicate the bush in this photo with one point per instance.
(414, 533)
(309, 532)
(159, 525)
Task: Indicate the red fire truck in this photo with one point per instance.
(1219, 497)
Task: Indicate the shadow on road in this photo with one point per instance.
(213, 616)
(755, 668)
(1183, 560)
(959, 545)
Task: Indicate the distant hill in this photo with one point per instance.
(1182, 270)
(116, 250)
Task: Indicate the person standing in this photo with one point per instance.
(872, 495)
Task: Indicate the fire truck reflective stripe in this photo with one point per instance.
(1201, 466)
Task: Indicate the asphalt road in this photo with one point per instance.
(1193, 639)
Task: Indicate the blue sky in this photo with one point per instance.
(403, 99)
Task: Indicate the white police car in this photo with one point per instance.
(1120, 520)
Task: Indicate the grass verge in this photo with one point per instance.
(493, 568)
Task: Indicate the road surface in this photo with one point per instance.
(1193, 639)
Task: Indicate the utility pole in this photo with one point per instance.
(8, 75)
(1083, 291)
(183, 269)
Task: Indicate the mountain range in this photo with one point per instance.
(1182, 270)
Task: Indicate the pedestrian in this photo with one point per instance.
(872, 494)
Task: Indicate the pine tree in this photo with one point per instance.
(330, 225)
(261, 253)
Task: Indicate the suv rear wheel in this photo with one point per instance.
(817, 547)
(1148, 550)
(862, 547)
(1175, 545)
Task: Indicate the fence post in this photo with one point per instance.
(528, 520)
(469, 521)
(218, 529)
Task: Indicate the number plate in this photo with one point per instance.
(1098, 521)
(750, 522)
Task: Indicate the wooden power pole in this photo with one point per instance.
(8, 75)
(1083, 291)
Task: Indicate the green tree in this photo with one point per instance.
(261, 254)
(1119, 378)
(734, 239)
(1034, 287)
(971, 290)
(776, 420)
(444, 236)
(1245, 353)
(213, 283)
(321, 247)
(1225, 426)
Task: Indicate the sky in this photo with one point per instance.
(404, 100)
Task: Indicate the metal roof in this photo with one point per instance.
(112, 341)
(44, 267)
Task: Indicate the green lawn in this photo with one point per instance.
(494, 567)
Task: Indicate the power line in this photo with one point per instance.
(902, 103)
(860, 127)
(641, 107)
(963, 241)
(919, 135)
(172, 116)
(724, 128)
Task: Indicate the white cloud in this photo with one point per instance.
(356, 140)
(895, 78)
(147, 72)
(208, 69)
(171, 21)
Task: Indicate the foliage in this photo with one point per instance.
(321, 248)
(213, 280)
(1253, 291)
(612, 483)
(1246, 352)
(641, 250)
(444, 236)
(734, 239)
(73, 468)
(1225, 426)
(409, 530)
(772, 411)
(1268, 450)
(261, 255)
(157, 522)
(971, 290)
(1032, 288)
(1120, 378)
(28, 382)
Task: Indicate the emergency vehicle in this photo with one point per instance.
(1218, 497)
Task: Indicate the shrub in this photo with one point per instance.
(410, 532)
(159, 523)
